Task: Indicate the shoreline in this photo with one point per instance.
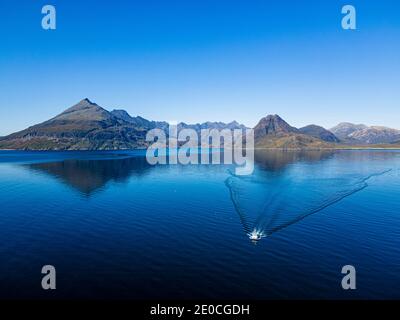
(256, 148)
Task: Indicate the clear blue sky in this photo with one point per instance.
(202, 60)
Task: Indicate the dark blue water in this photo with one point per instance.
(116, 227)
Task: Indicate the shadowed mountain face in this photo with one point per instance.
(89, 176)
(273, 125)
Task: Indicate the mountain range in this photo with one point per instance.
(87, 126)
(360, 133)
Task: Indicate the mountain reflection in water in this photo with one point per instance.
(89, 176)
(276, 160)
(285, 187)
(112, 223)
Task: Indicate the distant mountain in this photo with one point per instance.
(292, 141)
(344, 129)
(146, 124)
(273, 132)
(87, 126)
(319, 132)
(83, 126)
(362, 134)
(272, 125)
(139, 121)
(376, 135)
(211, 125)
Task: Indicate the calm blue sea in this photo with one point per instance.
(116, 227)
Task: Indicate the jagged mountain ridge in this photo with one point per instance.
(87, 126)
(139, 121)
(144, 123)
(362, 134)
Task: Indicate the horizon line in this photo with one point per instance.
(197, 122)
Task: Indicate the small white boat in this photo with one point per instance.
(256, 235)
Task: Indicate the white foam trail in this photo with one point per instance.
(272, 206)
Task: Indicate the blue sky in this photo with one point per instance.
(195, 61)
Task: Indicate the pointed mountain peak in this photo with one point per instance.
(82, 105)
(273, 125)
(84, 110)
(274, 116)
(86, 100)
